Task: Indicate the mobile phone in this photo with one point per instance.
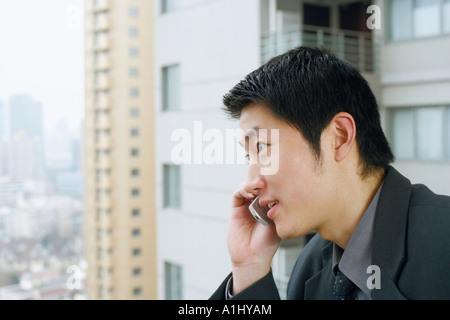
(259, 212)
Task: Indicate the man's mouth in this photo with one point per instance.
(272, 204)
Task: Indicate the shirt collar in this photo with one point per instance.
(354, 260)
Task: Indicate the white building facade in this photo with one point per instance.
(204, 47)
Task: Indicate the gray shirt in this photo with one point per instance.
(356, 258)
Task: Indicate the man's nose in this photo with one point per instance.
(255, 181)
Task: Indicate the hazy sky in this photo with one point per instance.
(42, 53)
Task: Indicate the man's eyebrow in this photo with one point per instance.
(250, 133)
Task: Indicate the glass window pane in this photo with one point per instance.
(169, 5)
(172, 186)
(447, 124)
(403, 134)
(171, 88)
(426, 18)
(446, 16)
(173, 281)
(430, 135)
(400, 19)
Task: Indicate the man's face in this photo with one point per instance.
(302, 186)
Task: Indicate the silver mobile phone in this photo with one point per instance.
(259, 212)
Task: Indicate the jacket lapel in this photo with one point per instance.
(389, 237)
(320, 286)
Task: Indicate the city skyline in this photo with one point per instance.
(43, 56)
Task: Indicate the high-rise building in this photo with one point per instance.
(203, 48)
(25, 114)
(119, 150)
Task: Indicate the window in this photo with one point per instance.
(169, 5)
(446, 16)
(134, 52)
(136, 252)
(400, 19)
(173, 281)
(134, 112)
(171, 88)
(421, 133)
(426, 18)
(134, 72)
(134, 152)
(135, 192)
(418, 18)
(134, 132)
(447, 138)
(172, 186)
(136, 232)
(137, 272)
(135, 212)
(134, 172)
(133, 32)
(430, 133)
(403, 134)
(133, 12)
(137, 291)
(134, 92)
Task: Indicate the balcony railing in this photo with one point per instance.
(358, 48)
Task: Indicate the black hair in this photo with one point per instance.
(306, 87)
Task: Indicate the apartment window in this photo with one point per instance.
(135, 192)
(136, 232)
(134, 132)
(137, 291)
(133, 32)
(134, 52)
(446, 16)
(411, 19)
(171, 87)
(134, 112)
(137, 272)
(169, 5)
(134, 172)
(135, 212)
(172, 186)
(134, 92)
(134, 72)
(421, 133)
(133, 12)
(173, 276)
(136, 252)
(134, 152)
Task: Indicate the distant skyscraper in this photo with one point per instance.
(25, 114)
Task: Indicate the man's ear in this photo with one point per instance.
(343, 130)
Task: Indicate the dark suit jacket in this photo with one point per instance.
(411, 246)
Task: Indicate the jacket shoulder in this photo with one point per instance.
(428, 250)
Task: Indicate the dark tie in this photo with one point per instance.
(343, 287)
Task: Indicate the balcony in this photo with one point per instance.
(103, 62)
(103, 101)
(99, 5)
(102, 22)
(103, 82)
(102, 42)
(358, 48)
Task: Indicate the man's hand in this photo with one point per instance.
(251, 245)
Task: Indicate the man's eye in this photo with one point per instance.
(261, 146)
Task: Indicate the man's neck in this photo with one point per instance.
(355, 199)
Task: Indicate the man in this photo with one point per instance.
(378, 236)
